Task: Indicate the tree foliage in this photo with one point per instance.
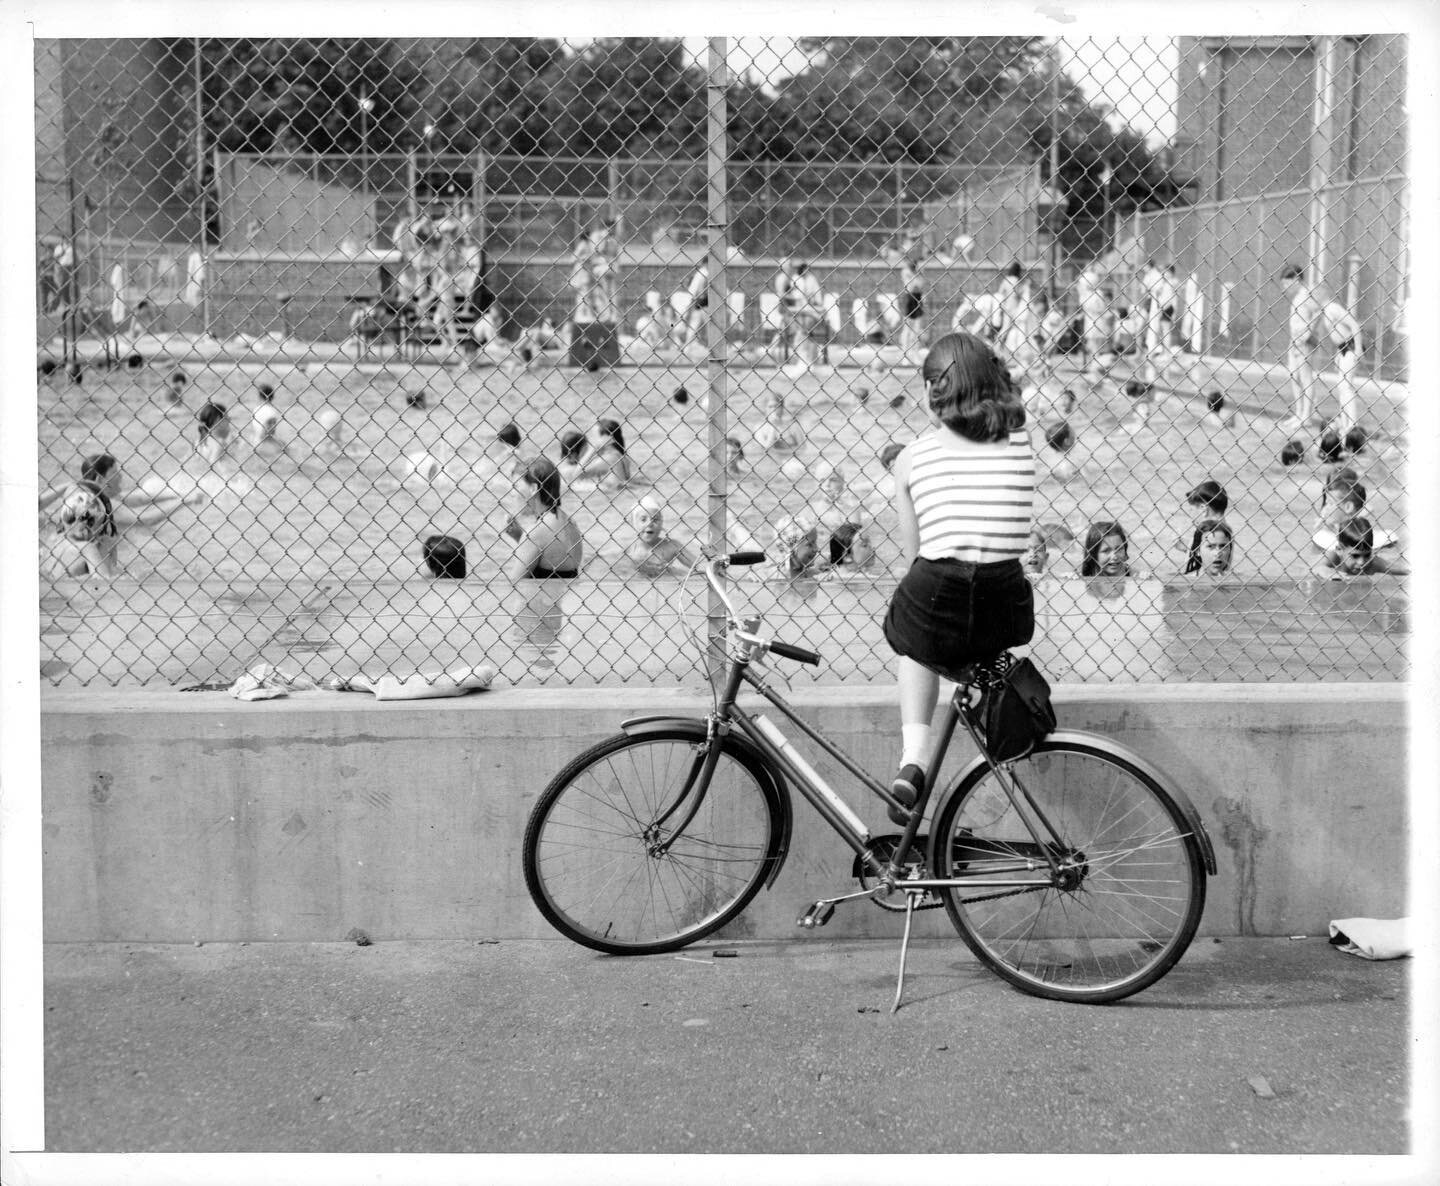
(921, 100)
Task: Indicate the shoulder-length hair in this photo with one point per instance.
(970, 390)
(542, 473)
(1094, 537)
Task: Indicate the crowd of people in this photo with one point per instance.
(845, 526)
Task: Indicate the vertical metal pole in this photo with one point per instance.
(480, 195)
(412, 181)
(206, 281)
(1054, 216)
(716, 340)
(199, 151)
(1256, 303)
(612, 192)
(70, 285)
(1324, 144)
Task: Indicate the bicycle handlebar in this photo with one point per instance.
(739, 559)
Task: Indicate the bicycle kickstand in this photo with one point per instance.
(910, 896)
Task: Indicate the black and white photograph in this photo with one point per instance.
(474, 714)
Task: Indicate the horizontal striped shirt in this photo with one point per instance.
(975, 502)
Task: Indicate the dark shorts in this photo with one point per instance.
(912, 308)
(946, 613)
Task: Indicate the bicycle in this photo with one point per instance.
(1076, 873)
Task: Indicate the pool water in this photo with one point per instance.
(312, 557)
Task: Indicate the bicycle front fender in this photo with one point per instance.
(772, 782)
(1110, 749)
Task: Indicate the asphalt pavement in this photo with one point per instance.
(1249, 1046)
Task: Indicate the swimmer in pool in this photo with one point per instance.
(102, 470)
(1037, 554)
(175, 392)
(86, 542)
(265, 425)
(573, 447)
(1212, 550)
(606, 459)
(443, 557)
(1107, 550)
(1354, 554)
(735, 457)
(654, 553)
(212, 434)
(842, 517)
(549, 544)
(1342, 500)
(1205, 501)
(779, 433)
(500, 463)
(795, 553)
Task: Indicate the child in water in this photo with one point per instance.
(654, 553)
(779, 433)
(842, 516)
(1107, 551)
(1354, 554)
(1212, 550)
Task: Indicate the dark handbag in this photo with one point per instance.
(1016, 713)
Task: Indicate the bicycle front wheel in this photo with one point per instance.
(606, 866)
(1126, 899)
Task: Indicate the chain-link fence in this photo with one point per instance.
(389, 356)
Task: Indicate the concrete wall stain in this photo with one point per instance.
(100, 783)
(1243, 836)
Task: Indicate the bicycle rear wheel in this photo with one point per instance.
(1129, 894)
(603, 861)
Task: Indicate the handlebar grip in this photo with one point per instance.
(800, 655)
(740, 559)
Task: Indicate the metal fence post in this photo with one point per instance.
(716, 339)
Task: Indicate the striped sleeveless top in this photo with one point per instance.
(974, 506)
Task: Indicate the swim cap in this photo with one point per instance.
(85, 514)
(642, 512)
(789, 531)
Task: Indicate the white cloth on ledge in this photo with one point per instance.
(1373, 938)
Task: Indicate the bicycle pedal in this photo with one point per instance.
(817, 914)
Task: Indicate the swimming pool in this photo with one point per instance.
(315, 556)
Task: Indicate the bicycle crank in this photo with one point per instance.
(882, 849)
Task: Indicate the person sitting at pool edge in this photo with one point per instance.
(548, 544)
(653, 552)
(1212, 550)
(444, 557)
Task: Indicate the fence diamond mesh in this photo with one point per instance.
(392, 356)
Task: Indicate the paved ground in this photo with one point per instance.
(1250, 1046)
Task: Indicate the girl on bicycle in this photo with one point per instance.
(964, 497)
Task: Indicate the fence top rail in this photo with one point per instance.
(1301, 191)
(441, 159)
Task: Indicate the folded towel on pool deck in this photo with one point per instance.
(1372, 938)
(458, 681)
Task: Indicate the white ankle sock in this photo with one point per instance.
(914, 745)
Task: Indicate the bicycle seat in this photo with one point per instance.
(978, 671)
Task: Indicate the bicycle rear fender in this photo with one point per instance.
(737, 741)
(1111, 749)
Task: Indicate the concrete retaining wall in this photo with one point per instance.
(171, 817)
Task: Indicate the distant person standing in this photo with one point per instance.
(1306, 310)
(912, 304)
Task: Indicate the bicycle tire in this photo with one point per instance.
(1132, 895)
(589, 851)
